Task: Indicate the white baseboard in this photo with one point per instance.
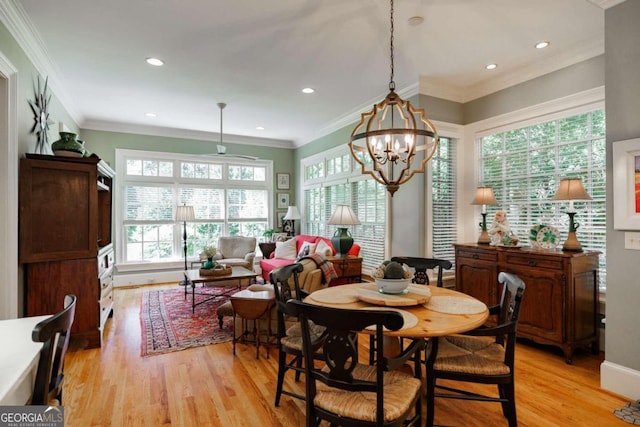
(129, 279)
(151, 277)
(620, 380)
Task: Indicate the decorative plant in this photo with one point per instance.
(209, 251)
(268, 233)
(392, 270)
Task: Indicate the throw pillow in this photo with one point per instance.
(323, 248)
(286, 250)
(306, 249)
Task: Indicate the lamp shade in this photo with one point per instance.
(484, 196)
(292, 213)
(185, 213)
(343, 215)
(571, 189)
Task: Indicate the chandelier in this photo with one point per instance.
(395, 140)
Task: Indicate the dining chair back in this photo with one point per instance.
(421, 265)
(484, 355)
(289, 335)
(55, 333)
(345, 392)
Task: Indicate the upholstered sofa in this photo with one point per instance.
(267, 265)
(237, 251)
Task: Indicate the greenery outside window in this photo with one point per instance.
(524, 166)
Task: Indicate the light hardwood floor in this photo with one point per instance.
(208, 386)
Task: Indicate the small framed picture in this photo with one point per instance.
(282, 181)
(280, 218)
(283, 200)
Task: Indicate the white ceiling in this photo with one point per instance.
(257, 55)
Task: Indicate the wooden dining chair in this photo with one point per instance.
(55, 333)
(421, 265)
(289, 333)
(485, 355)
(420, 277)
(345, 392)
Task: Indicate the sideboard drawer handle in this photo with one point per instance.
(532, 263)
(476, 256)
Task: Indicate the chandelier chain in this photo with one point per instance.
(392, 84)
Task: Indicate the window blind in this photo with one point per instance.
(525, 165)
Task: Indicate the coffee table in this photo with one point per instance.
(193, 277)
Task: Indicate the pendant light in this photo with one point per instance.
(395, 140)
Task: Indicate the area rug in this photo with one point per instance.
(629, 413)
(168, 324)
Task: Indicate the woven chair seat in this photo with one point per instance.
(470, 355)
(399, 389)
(293, 339)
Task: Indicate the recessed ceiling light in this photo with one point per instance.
(308, 90)
(155, 61)
(259, 127)
(151, 114)
(491, 66)
(542, 45)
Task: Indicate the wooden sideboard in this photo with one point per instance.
(560, 302)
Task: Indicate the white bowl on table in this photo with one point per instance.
(393, 286)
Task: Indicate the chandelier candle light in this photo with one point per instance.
(571, 189)
(185, 213)
(484, 196)
(342, 241)
(388, 139)
(292, 214)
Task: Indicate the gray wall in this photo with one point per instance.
(566, 81)
(27, 79)
(622, 70)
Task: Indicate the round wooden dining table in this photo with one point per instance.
(446, 312)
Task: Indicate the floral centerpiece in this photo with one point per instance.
(392, 277)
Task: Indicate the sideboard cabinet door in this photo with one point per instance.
(560, 302)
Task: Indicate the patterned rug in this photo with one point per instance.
(168, 324)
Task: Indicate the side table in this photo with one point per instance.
(348, 269)
(255, 306)
(267, 248)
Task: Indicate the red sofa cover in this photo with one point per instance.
(267, 265)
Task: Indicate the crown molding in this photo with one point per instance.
(20, 27)
(354, 115)
(107, 126)
(606, 4)
(548, 65)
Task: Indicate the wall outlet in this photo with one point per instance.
(632, 241)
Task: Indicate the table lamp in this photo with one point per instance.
(571, 189)
(484, 196)
(342, 240)
(185, 213)
(291, 216)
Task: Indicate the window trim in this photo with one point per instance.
(121, 156)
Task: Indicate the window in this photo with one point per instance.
(229, 198)
(333, 180)
(330, 181)
(524, 167)
(443, 199)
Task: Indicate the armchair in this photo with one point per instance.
(236, 251)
